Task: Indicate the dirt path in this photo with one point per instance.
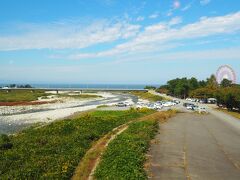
(194, 146)
(90, 161)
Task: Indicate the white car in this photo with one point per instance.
(141, 105)
(202, 110)
(121, 104)
(169, 103)
(189, 107)
(128, 103)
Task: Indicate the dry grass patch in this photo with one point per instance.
(161, 116)
(232, 113)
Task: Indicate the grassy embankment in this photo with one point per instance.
(232, 113)
(125, 155)
(148, 96)
(53, 151)
(21, 95)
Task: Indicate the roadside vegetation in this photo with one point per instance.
(147, 96)
(232, 113)
(20, 95)
(125, 155)
(54, 151)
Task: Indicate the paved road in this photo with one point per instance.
(198, 147)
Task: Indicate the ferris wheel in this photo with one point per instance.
(226, 72)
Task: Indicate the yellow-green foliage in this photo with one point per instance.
(54, 151)
(20, 95)
(84, 96)
(147, 96)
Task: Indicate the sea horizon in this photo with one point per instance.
(87, 86)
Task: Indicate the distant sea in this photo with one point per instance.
(89, 86)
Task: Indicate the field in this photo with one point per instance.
(53, 151)
(147, 96)
(20, 95)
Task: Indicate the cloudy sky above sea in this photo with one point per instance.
(117, 41)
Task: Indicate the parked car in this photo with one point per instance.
(176, 101)
(128, 103)
(167, 104)
(121, 104)
(211, 100)
(202, 110)
(190, 107)
(195, 108)
(203, 101)
(158, 106)
(187, 104)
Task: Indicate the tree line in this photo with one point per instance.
(226, 93)
(19, 86)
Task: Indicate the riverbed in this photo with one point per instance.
(16, 118)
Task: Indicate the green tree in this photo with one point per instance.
(212, 82)
(202, 83)
(193, 83)
(150, 87)
(226, 83)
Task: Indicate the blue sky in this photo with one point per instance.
(113, 41)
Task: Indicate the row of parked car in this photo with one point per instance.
(194, 107)
(123, 104)
(157, 105)
(203, 101)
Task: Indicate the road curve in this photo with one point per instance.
(192, 146)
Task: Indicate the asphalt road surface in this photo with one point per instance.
(198, 147)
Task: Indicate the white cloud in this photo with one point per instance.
(175, 21)
(213, 54)
(204, 2)
(140, 18)
(153, 38)
(186, 7)
(67, 35)
(163, 34)
(154, 15)
(169, 13)
(176, 5)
